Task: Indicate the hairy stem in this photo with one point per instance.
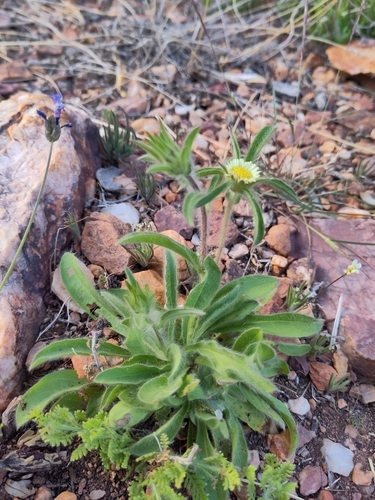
(224, 227)
(31, 220)
(203, 235)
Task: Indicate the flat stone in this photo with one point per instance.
(23, 156)
(364, 392)
(126, 212)
(99, 242)
(299, 406)
(238, 251)
(304, 436)
(338, 458)
(311, 479)
(301, 270)
(358, 317)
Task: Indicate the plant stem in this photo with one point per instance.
(195, 186)
(224, 228)
(31, 220)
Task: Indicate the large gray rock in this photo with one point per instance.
(23, 156)
(358, 314)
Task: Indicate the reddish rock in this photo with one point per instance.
(276, 303)
(170, 218)
(279, 238)
(320, 375)
(215, 222)
(311, 479)
(279, 445)
(304, 436)
(66, 495)
(24, 152)
(364, 392)
(301, 270)
(358, 291)
(100, 242)
(43, 493)
(153, 280)
(157, 261)
(325, 495)
(360, 477)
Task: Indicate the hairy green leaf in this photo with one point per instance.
(260, 140)
(47, 389)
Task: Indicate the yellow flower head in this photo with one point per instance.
(240, 170)
(353, 268)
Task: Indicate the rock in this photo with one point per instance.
(338, 458)
(97, 271)
(279, 445)
(301, 270)
(311, 479)
(253, 458)
(99, 242)
(276, 303)
(360, 477)
(279, 264)
(325, 495)
(280, 239)
(304, 436)
(320, 374)
(364, 392)
(358, 317)
(299, 406)
(232, 271)
(153, 280)
(97, 494)
(112, 179)
(33, 352)
(125, 212)
(351, 431)
(341, 403)
(24, 151)
(43, 493)
(242, 209)
(66, 495)
(340, 362)
(62, 293)
(170, 218)
(157, 261)
(215, 222)
(19, 489)
(238, 251)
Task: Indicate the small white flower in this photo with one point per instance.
(240, 170)
(353, 268)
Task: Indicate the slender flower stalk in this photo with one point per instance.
(52, 132)
(224, 228)
(352, 268)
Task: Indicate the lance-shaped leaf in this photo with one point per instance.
(230, 366)
(170, 280)
(260, 140)
(133, 374)
(239, 446)
(65, 348)
(257, 217)
(236, 146)
(207, 171)
(163, 241)
(150, 444)
(280, 187)
(46, 390)
(158, 388)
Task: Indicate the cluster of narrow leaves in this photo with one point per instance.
(205, 366)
